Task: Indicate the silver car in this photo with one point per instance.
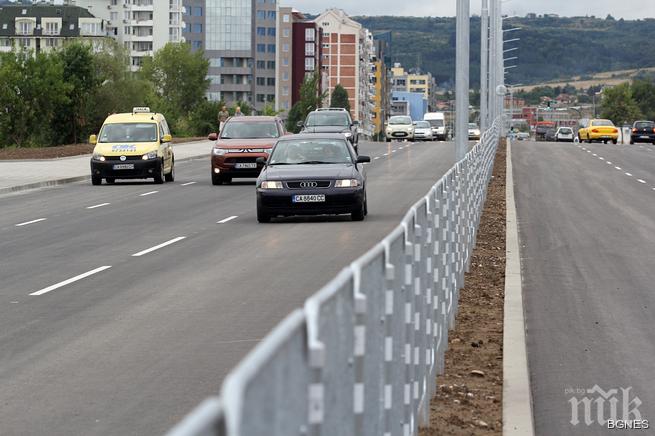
(423, 131)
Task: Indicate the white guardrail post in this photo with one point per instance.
(363, 354)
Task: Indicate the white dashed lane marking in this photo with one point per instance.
(641, 181)
(71, 280)
(26, 223)
(628, 174)
(157, 247)
(189, 183)
(618, 168)
(98, 205)
(148, 193)
(227, 219)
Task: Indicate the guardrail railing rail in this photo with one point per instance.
(361, 357)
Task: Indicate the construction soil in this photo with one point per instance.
(469, 397)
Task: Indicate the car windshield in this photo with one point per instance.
(473, 126)
(422, 124)
(250, 130)
(310, 151)
(644, 125)
(128, 132)
(565, 130)
(602, 123)
(436, 123)
(318, 119)
(400, 120)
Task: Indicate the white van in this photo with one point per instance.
(438, 122)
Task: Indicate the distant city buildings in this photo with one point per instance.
(41, 28)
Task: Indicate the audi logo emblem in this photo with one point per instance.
(308, 184)
(123, 158)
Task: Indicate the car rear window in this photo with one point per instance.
(310, 151)
(565, 130)
(602, 123)
(128, 132)
(644, 125)
(250, 130)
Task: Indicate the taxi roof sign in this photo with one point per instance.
(141, 110)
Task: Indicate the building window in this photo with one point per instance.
(261, 48)
(285, 18)
(261, 65)
(270, 15)
(270, 81)
(309, 64)
(285, 62)
(285, 76)
(52, 28)
(261, 98)
(24, 28)
(285, 33)
(270, 98)
(197, 28)
(197, 11)
(270, 65)
(310, 34)
(261, 31)
(271, 31)
(285, 90)
(261, 15)
(271, 48)
(309, 49)
(285, 48)
(196, 45)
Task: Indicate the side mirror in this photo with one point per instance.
(363, 159)
(355, 123)
(166, 138)
(213, 136)
(93, 139)
(261, 160)
(300, 124)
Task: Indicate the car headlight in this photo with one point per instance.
(149, 155)
(271, 185)
(219, 151)
(98, 156)
(347, 183)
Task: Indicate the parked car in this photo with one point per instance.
(643, 131)
(133, 145)
(550, 134)
(332, 120)
(242, 140)
(423, 131)
(474, 131)
(564, 134)
(400, 127)
(312, 174)
(598, 130)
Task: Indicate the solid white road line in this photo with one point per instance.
(641, 181)
(628, 174)
(31, 222)
(71, 280)
(227, 219)
(189, 183)
(148, 193)
(98, 205)
(157, 247)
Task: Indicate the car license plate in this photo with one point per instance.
(123, 166)
(318, 198)
(645, 137)
(243, 165)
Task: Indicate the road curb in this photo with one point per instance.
(66, 180)
(517, 398)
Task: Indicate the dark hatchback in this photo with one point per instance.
(332, 120)
(643, 131)
(312, 174)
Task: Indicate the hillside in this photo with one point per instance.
(550, 49)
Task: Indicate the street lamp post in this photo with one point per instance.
(462, 82)
(484, 67)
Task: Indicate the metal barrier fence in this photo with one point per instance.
(362, 356)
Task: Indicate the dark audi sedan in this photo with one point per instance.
(312, 174)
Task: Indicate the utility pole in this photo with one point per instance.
(462, 82)
(493, 59)
(484, 67)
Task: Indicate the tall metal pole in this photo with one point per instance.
(500, 78)
(462, 82)
(484, 67)
(493, 59)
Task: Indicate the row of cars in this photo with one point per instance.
(318, 171)
(431, 128)
(590, 130)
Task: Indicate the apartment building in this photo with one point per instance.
(142, 26)
(414, 81)
(45, 27)
(381, 82)
(346, 59)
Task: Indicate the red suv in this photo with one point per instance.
(241, 141)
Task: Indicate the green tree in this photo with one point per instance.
(310, 99)
(246, 109)
(619, 105)
(269, 110)
(340, 97)
(179, 78)
(32, 87)
(643, 92)
(80, 73)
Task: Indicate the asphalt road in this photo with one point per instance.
(101, 333)
(586, 222)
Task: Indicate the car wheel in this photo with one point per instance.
(216, 179)
(360, 213)
(110, 180)
(96, 180)
(170, 177)
(159, 175)
(615, 141)
(589, 141)
(263, 217)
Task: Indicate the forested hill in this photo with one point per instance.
(549, 49)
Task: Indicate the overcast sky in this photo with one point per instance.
(628, 9)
